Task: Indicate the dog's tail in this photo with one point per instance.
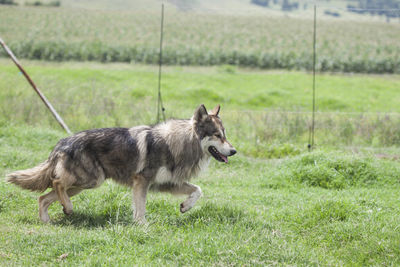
(35, 179)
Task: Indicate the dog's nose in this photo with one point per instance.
(233, 152)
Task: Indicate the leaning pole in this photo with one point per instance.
(44, 99)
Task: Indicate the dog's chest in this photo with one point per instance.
(163, 176)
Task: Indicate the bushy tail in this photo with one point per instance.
(35, 179)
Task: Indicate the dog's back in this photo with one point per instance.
(94, 155)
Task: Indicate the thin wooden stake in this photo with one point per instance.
(311, 136)
(44, 99)
(159, 102)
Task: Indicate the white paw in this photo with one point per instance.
(188, 204)
(185, 207)
(190, 201)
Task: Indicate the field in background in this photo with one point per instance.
(259, 40)
(260, 109)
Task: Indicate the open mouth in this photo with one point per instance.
(218, 156)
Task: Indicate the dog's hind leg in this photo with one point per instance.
(63, 197)
(140, 188)
(44, 204)
(193, 192)
(46, 200)
(63, 181)
(74, 191)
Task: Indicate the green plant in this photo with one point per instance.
(332, 170)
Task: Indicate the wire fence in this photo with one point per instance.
(329, 40)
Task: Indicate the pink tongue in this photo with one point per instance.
(224, 158)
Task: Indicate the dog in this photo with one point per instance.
(163, 157)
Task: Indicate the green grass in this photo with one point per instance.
(259, 108)
(335, 171)
(253, 40)
(329, 207)
(251, 214)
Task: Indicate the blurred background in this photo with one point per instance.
(97, 63)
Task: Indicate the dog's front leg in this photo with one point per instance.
(140, 188)
(193, 192)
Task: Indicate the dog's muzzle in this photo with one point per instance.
(219, 156)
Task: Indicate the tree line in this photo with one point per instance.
(388, 8)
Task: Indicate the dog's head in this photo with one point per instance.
(211, 132)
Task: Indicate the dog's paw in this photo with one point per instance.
(43, 215)
(190, 201)
(67, 211)
(185, 207)
(44, 218)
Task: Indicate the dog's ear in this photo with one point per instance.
(215, 110)
(200, 113)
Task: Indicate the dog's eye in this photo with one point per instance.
(218, 136)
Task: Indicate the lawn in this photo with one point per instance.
(274, 203)
(322, 208)
(258, 107)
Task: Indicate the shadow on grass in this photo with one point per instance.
(211, 214)
(89, 220)
(204, 216)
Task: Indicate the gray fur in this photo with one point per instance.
(162, 157)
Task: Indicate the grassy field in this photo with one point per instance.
(274, 203)
(328, 207)
(323, 208)
(258, 108)
(253, 40)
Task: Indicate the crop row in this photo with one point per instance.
(200, 39)
(60, 51)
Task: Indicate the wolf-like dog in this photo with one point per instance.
(163, 157)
